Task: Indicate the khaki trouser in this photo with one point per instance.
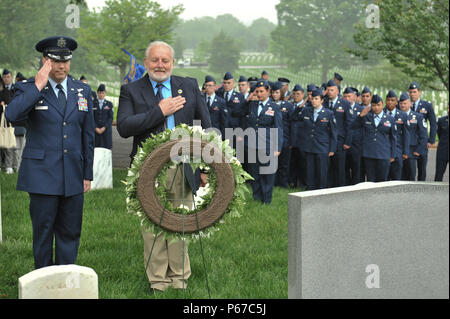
(166, 267)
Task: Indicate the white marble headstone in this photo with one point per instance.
(59, 282)
(103, 175)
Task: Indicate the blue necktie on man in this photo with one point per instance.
(170, 120)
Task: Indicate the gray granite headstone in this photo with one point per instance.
(103, 174)
(371, 240)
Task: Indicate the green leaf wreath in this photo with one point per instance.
(235, 208)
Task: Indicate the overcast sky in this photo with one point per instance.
(245, 10)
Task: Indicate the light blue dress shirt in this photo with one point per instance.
(55, 89)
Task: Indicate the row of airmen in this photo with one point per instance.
(329, 139)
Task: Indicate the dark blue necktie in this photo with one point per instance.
(159, 95)
(61, 98)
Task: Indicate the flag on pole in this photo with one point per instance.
(136, 70)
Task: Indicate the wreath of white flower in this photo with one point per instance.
(235, 208)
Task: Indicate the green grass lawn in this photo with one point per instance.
(248, 258)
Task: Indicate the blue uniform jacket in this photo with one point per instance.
(321, 135)
(219, 114)
(59, 150)
(356, 133)
(269, 118)
(378, 142)
(298, 137)
(417, 134)
(287, 110)
(104, 118)
(344, 118)
(234, 104)
(442, 132)
(426, 109)
(403, 138)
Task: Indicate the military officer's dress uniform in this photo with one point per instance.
(378, 143)
(417, 127)
(103, 117)
(57, 157)
(402, 145)
(218, 110)
(321, 132)
(442, 150)
(344, 117)
(353, 156)
(263, 117)
(282, 175)
(426, 109)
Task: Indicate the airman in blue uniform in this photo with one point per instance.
(298, 138)
(417, 127)
(426, 109)
(282, 175)
(216, 106)
(442, 150)
(57, 161)
(265, 117)
(379, 140)
(344, 117)
(319, 126)
(103, 117)
(402, 146)
(353, 155)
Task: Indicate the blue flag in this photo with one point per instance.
(136, 70)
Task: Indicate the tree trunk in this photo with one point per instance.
(324, 72)
(123, 71)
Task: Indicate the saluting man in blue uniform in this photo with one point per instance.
(379, 140)
(103, 117)
(216, 105)
(56, 168)
(402, 146)
(321, 133)
(417, 127)
(426, 109)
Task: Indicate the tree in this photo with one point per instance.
(413, 36)
(128, 24)
(224, 54)
(315, 33)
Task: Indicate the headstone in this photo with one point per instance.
(372, 240)
(103, 174)
(59, 282)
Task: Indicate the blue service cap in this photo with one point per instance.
(404, 96)
(243, 79)
(349, 90)
(252, 79)
(252, 87)
(316, 92)
(228, 76)
(101, 88)
(391, 93)
(311, 87)
(284, 81)
(376, 99)
(57, 48)
(366, 90)
(414, 85)
(298, 87)
(276, 86)
(264, 72)
(262, 83)
(6, 71)
(338, 77)
(331, 83)
(209, 78)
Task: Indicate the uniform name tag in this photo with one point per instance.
(368, 122)
(82, 104)
(306, 118)
(41, 107)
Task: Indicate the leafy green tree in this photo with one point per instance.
(224, 54)
(414, 36)
(128, 24)
(311, 33)
(201, 52)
